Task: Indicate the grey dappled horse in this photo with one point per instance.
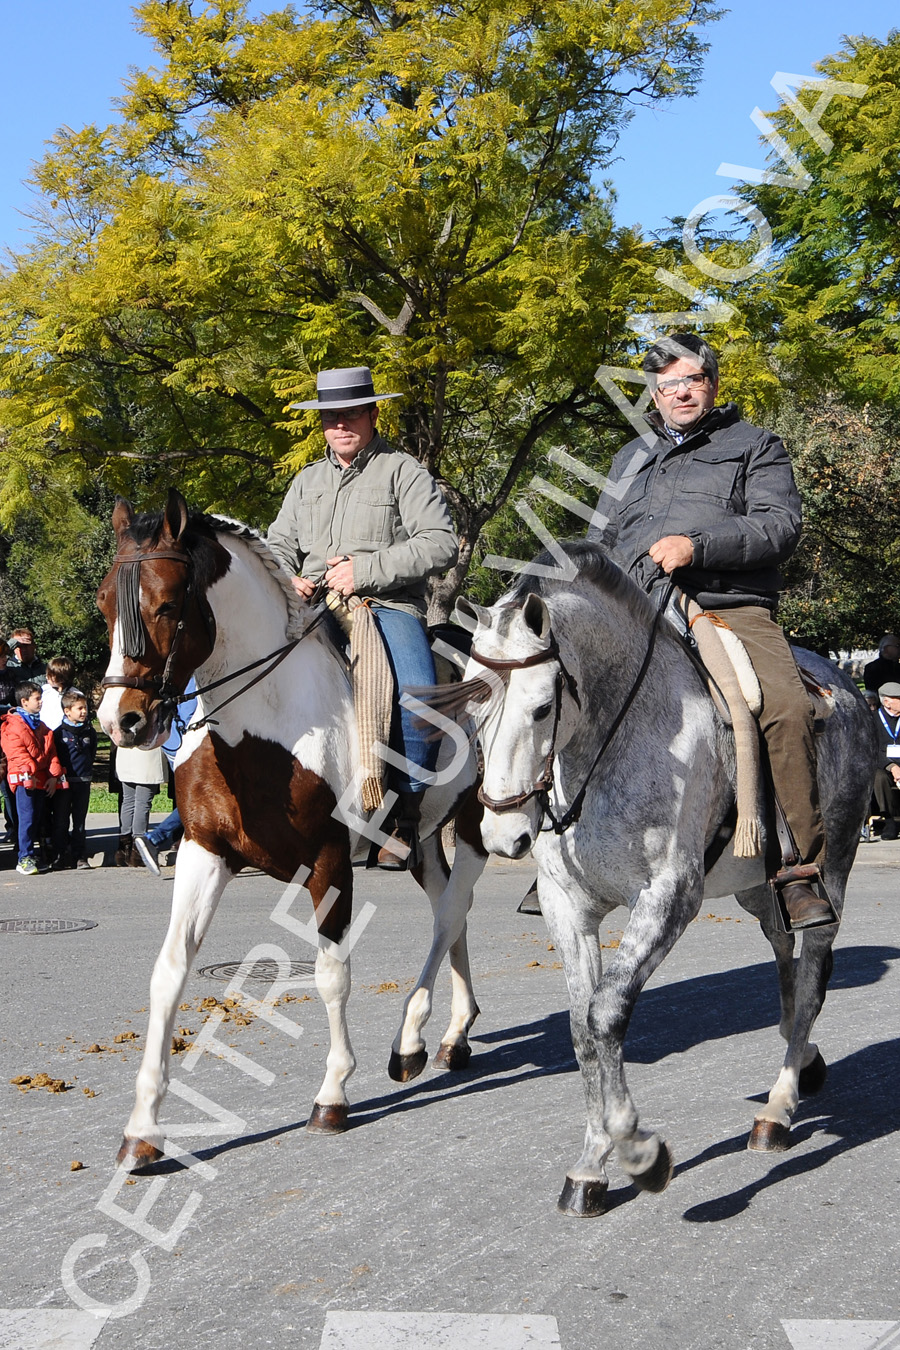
(564, 656)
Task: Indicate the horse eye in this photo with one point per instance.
(542, 712)
(165, 610)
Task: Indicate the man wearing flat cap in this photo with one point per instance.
(887, 775)
(370, 521)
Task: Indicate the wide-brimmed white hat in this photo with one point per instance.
(345, 388)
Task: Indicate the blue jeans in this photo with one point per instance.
(166, 830)
(30, 811)
(410, 659)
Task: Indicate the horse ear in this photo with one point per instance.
(469, 615)
(122, 516)
(537, 616)
(175, 517)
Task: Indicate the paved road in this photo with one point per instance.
(433, 1221)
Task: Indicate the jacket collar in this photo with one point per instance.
(712, 421)
(359, 462)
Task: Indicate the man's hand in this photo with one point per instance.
(339, 576)
(303, 586)
(673, 551)
(894, 771)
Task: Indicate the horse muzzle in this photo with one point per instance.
(509, 834)
(130, 724)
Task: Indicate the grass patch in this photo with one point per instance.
(103, 800)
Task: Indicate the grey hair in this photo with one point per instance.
(676, 348)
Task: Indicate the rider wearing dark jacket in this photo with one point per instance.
(710, 501)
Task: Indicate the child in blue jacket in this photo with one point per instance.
(76, 746)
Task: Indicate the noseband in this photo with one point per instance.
(564, 678)
(542, 785)
(134, 631)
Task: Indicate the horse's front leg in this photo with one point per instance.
(200, 878)
(451, 900)
(331, 887)
(573, 931)
(658, 918)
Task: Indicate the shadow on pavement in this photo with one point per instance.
(857, 1106)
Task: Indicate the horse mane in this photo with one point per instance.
(147, 528)
(594, 566)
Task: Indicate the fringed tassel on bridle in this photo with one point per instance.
(132, 631)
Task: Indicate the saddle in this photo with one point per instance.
(733, 684)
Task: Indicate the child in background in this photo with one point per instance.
(60, 674)
(76, 746)
(34, 771)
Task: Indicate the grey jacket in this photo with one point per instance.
(728, 486)
(385, 510)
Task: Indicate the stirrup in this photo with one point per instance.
(811, 875)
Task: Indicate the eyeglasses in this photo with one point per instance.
(331, 419)
(669, 387)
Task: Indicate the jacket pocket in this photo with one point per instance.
(369, 520)
(711, 474)
(311, 521)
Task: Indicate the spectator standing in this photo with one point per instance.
(9, 679)
(34, 771)
(163, 835)
(885, 669)
(76, 747)
(24, 655)
(60, 674)
(140, 772)
(887, 775)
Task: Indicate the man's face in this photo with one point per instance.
(890, 651)
(349, 430)
(683, 405)
(24, 648)
(891, 705)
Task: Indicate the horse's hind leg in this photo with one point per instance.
(451, 900)
(771, 1127)
(200, 878)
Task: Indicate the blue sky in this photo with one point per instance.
(62, 63)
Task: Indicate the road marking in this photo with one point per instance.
(438, 1331)
(49, 1329)
(843, 1335)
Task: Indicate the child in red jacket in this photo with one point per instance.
(33, 768)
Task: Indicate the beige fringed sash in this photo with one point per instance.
(726, 659)
(373, 690)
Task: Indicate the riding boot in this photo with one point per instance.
(123, 852)
(406, 831)
(803, 906)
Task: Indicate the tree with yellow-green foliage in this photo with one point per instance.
(407, 185)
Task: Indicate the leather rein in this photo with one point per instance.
(542, 785)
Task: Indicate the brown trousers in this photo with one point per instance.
(787, 724)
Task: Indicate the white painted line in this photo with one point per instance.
(842, 1335)
(438, 1331)
(49, 1329)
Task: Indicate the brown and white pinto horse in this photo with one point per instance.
(269, 782)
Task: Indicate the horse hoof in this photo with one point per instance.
(137, 1153)
(769, 1136)
(585, 1199)
(404, 1068)
(657, 1177)
(812, 1078)
(452, 1057)
(327, 1119)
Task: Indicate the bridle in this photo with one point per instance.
(134, 631)
(540, 788)
(134, 641)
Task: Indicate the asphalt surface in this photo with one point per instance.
(432, 1222)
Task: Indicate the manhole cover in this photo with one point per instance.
(43, 926)
(260, 970)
